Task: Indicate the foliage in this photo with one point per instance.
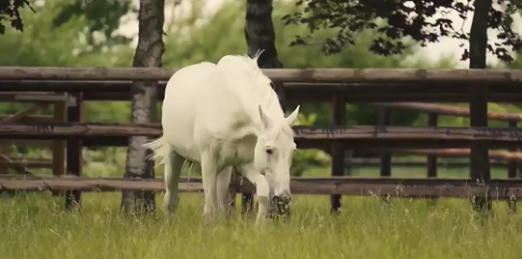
(100, 24)
(10, 12)
(393, 20)
(43, 44)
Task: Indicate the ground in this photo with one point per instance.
(34, 226)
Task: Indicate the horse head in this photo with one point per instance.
(273, 156)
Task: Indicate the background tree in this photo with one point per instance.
(148, 54)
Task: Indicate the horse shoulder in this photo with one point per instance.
(220, 109)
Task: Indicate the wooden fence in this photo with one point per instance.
(39, 100)
(337, 86)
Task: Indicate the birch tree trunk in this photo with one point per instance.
(148, 54)
(260, 35)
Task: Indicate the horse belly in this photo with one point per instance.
(178, 129)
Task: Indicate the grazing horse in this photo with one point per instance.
(221, 116)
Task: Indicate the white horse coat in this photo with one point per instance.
(224, 115)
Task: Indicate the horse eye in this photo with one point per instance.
(269, 151)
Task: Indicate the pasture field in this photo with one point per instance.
(34, 226)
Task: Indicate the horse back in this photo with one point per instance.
(202, 110)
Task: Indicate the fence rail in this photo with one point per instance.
(305, 136)
(441, 109)
(344, 75)
(368, 91)
(395, 187)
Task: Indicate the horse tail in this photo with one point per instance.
(160, 149)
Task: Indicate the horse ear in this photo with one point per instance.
(267, 122)
(293, 116)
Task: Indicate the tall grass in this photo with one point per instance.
(35, 226)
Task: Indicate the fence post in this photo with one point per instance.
(432, 159)
(74, 148)
(337, 149)
(385, 120)
(512, 171)
(385, 166)
(59, 115)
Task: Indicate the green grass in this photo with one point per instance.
(35, 226)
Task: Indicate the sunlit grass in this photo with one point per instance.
(35, 226)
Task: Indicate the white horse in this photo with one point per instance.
(221, 116)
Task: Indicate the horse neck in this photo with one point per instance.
(270, 103)
(254, 94)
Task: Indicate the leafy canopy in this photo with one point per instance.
(10, 13)
(102, 17)
(392, 20)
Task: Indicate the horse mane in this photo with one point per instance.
(261, 88)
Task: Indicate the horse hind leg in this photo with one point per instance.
(224, 200)
(173, 165)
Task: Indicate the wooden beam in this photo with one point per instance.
(25, 97)
(59, 145)
(303, 96)
(338, 150)
(512, 168)
(43, 87)
(304, 133)
(74, 150)
(26, 142)
(283, 75)
(30, 118)
(30, 163)
(19, 115)
(396, 187)
(446, 110)
(300, 91)
(499, 154)
(354, 162)
(431, 159)
(384, 121)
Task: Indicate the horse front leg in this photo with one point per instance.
(224, 203)
(262, 190)
(208, 177)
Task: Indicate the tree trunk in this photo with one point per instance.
(260, 35)
(478, 42)
(148, 54)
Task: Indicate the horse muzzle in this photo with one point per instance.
(281, 205)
